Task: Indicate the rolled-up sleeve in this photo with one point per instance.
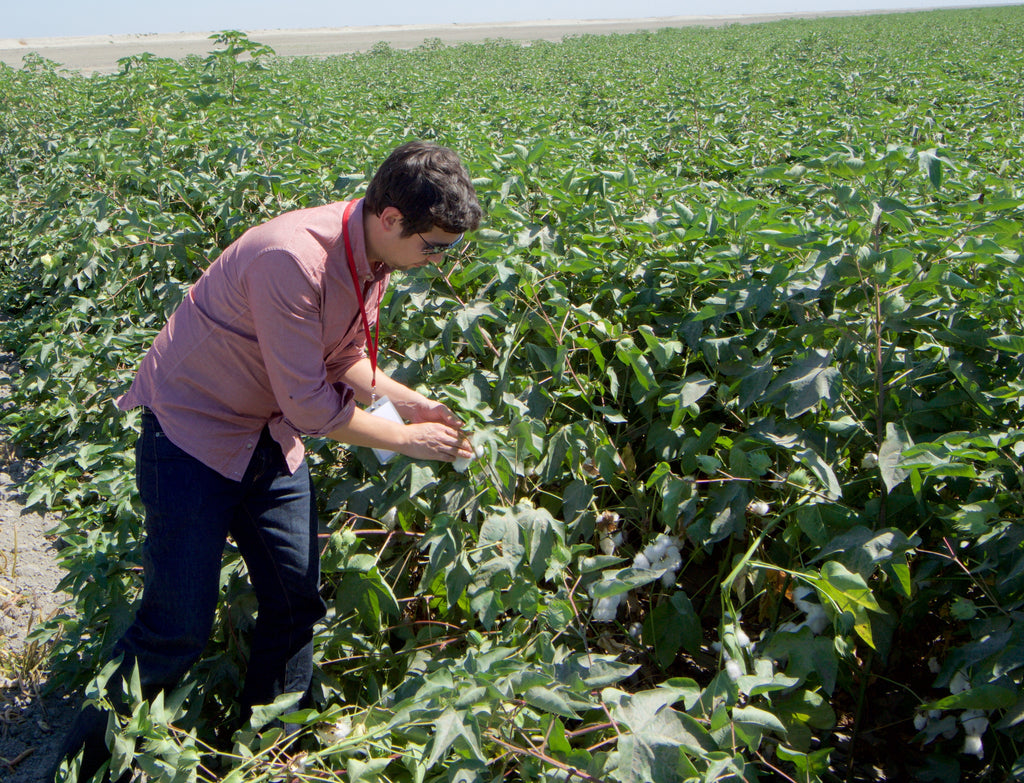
(286, 312)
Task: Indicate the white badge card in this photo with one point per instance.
(384, 408)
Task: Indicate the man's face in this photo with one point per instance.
(415, 250)
(418, 250)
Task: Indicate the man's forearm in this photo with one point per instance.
(359, 376)
(365, 429)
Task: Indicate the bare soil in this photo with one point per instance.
(33, 715)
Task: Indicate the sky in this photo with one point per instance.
(59, 18)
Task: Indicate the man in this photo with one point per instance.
(276, 340)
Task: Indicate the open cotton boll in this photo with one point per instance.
(661, 553)
(973, 746)
(461, 464)
(329, 733)
(732, 668)
(974, 722)
(817, 619)
(920, 721)
(605, 609)
(758, 508)
(959, 683)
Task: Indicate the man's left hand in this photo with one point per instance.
(430, 410)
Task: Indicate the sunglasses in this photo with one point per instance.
(433, 250)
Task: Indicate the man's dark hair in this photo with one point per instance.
(428, 184)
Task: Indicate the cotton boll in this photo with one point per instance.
(974, 722)
(933, 665)
(758, 508)
(329, 733)
(920, 721)
(732, 668)
(959, 683)
(635, 630)
(605, 609)
(461, 464)
(741, 637)
(640, 561)
(870, 461)
(607, 545)
(973, 746)
(817, 619)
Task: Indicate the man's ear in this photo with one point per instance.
(391, 219)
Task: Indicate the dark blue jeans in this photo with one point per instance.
(190, 511)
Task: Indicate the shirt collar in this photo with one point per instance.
(357, 236)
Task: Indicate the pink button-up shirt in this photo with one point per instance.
(263, 338)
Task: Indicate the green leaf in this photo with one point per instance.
(889, 456)
(806, 656)
(369, 771)
(448, 730)
(649, 752)
(849, 593)
(550, 701)
(983, 697)
(262, 714)
(931, 166)
(624, 580)
(670, 626)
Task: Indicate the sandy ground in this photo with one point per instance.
(31, 725)
(99, 54)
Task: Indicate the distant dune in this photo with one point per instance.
(99, 54)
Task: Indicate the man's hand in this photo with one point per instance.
(430, 410)
(432, 440)
(436, 441)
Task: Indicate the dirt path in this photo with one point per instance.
(31, 725)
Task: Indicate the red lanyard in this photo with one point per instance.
(372, 341)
